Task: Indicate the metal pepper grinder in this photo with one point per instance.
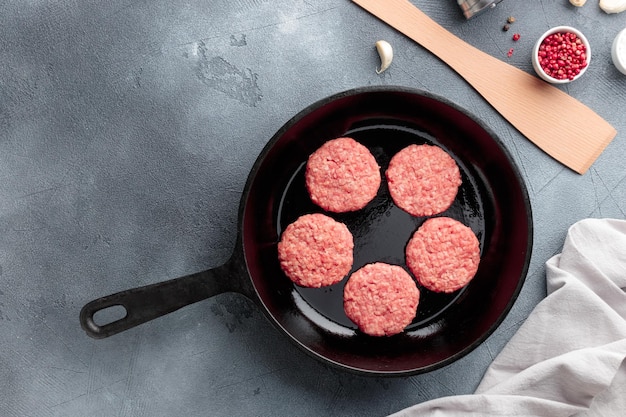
(473, 7)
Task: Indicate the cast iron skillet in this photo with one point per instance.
(492, 200)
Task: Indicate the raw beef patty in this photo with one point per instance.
(443, 254)
(423, 180)
(381, 299)
(342, 175)
(316, 251)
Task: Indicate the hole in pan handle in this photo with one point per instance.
(146, 303)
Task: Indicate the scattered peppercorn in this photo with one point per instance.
(510, 53)
(516, 37)
(510, 19)
(506, 27)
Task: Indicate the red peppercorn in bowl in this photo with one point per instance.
(561, 55)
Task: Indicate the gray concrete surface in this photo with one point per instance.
(127, 130)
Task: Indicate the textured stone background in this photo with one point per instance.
(127, 130)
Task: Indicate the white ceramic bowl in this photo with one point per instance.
(618, 51)
(535, 58)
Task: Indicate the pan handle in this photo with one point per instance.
(143, 304)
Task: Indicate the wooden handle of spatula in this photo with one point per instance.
(562, 126)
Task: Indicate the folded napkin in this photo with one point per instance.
(569, 357)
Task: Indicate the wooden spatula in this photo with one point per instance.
(562, 126)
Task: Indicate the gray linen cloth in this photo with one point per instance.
(569, 357)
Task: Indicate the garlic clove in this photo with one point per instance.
(385, 51)
(578, 3)
(613, 6)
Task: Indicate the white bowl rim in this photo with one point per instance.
(619, 60)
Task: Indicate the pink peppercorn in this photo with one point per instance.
(562, 55)
(516, 37)
(510, 53)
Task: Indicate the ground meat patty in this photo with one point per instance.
(443, 254)
(423, 180)
(316, 251)
(381, 299)
(342, 175)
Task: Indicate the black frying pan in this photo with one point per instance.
(492, 200)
